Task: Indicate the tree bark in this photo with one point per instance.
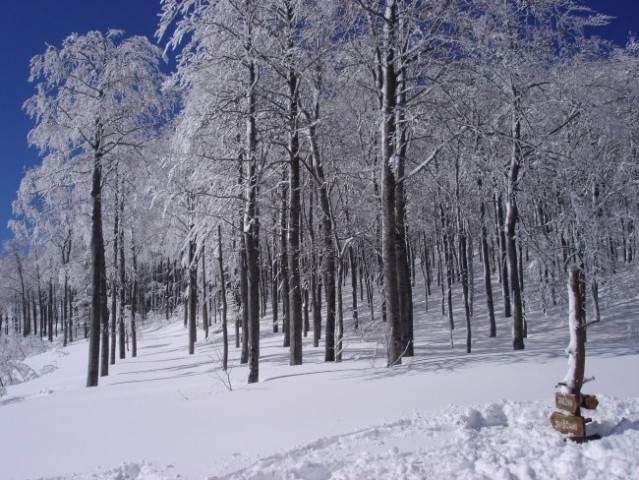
(284, 283)
(98, 277)
(328, 258)
(577, 348)
(510, 231)
(251, 218)
(503, 256)
(388, 192)
(205, 311)
(251, 229)
(225, 336)
(192, 295)
(353, 268)
(487, 280)
(121, 283)
(404, 285)
(294, 210)
(339, 347)
(244, 295)
(134, 299)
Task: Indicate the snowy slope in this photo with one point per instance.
(444, 414)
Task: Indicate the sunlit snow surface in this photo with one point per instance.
(443, 414)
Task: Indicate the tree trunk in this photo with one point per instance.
(353, 267)
(114, 274)
(388, 193)
(487, 279)
(448, 258)
(51, 311)
(404, 285)
(328, 259)
(503, 256)
(244, 295)
(251, 229)
(65, 311)
(274, 286)
(463, 267)
(510, 232)
(284, 267)
(205, 311)
(192, 295)
(122, 284)
(22, 287)
(251, 218)
(97, 274)
(339, 347)
(225, 337)
(576, 348)
(134, 299)
(294, 211)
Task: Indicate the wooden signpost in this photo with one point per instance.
(566, 401)
(569, 424)
(573, 423)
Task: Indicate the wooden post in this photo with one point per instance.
(570, 398)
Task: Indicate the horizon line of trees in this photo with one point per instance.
(305, 152)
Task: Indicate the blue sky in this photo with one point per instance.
(27, 26)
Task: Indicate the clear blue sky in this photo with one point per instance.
(27, 26)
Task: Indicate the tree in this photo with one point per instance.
(95, 94)
(221, 39)
(518, 44)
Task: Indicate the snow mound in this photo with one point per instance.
(505, 440)
(126, 471)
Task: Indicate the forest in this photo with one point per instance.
(311, 163)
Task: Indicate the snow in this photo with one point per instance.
(442, 415)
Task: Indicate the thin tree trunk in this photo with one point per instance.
(274, 286)
(65, 311)
(134, 299)
(328, 259)
(22, 287)
(192, 295)
(503, 250)
(251, 218)
(114, 274)
(339, 347)
(463, 267)
(225, 337)
(284, 279)
(205, 311)
(244, 295)
(353, 265)
(122, 284)
(487, 280)
(251, 228)
(50, 311)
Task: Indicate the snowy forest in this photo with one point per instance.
(323, 166)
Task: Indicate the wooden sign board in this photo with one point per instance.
(589, 402)
(566, 401)
(568, 424)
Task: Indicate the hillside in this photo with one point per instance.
(443, 414)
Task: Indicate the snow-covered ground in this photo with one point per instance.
(444, 414)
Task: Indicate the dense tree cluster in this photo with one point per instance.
(302, 148)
